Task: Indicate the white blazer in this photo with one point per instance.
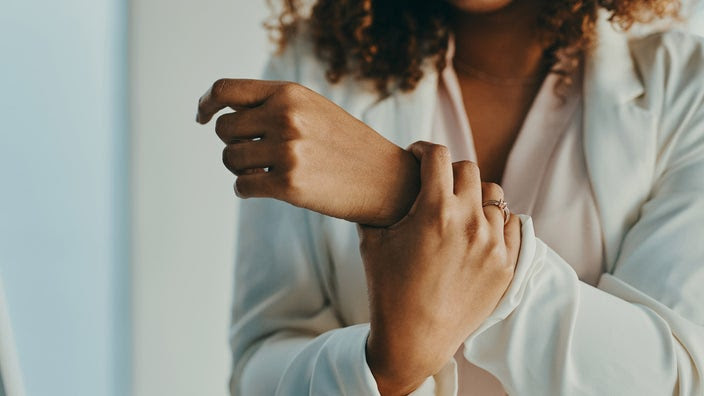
(300, 316)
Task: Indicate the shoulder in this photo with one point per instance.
(675, 43)
(671, 66)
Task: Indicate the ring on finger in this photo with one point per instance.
(501, 204)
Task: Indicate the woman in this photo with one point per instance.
(599, 139)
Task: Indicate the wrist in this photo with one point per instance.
(399, 187)
(394, 374)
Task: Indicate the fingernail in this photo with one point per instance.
(197, 118)
(237, 193)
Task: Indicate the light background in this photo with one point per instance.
(183, 203)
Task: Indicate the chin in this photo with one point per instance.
(479, 6)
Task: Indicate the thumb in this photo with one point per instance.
(234, 93)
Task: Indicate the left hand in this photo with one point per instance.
(316, 155)
(435, 276)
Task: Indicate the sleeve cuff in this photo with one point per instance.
(444, 383)
(525, 266)
(335, 363)
(346, 351)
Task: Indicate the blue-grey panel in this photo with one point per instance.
(63, 193)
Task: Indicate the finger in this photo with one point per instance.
(234, 93)
(512, 238)
(256, 185)
(251, 171)
(243, 124)
(251, 154)
(494, 214)
(436, 178)
(467, 181)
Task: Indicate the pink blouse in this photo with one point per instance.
(545, 177)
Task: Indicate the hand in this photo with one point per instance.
(436, 275)
(285, 141)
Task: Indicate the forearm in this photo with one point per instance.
(553, 334)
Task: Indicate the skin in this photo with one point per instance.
(424, 230)
(449, 261)
(504, 42)
(479, 6)
(319, 156)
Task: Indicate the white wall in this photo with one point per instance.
(63, 193)
(183, 203)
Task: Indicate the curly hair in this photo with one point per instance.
(387, 41)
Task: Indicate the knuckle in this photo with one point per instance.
(225, 155)
(296, 148)
(229, 156)
(217, 91)
(472, 168)
(495, 190)
(479, 235)
(221, 126)
(242, 188)
(290, 184)
(439, 152)
(446, 216)
(421, 144)
(290, 90)
(514, 221)
(290, 154)
(469, 166)
(465, 170)
(463, 164)
(290, 124)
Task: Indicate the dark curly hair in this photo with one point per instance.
(387, 41)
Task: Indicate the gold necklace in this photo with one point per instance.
(470, 71)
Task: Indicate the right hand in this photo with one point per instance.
(317, 155)
(436, 275)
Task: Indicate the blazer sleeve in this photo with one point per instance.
(641, 331)
(286, 336)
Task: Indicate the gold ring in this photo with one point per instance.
(501, 204)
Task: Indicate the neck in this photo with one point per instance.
(503, 43)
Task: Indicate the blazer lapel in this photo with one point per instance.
(620, 157)
(617, 132)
